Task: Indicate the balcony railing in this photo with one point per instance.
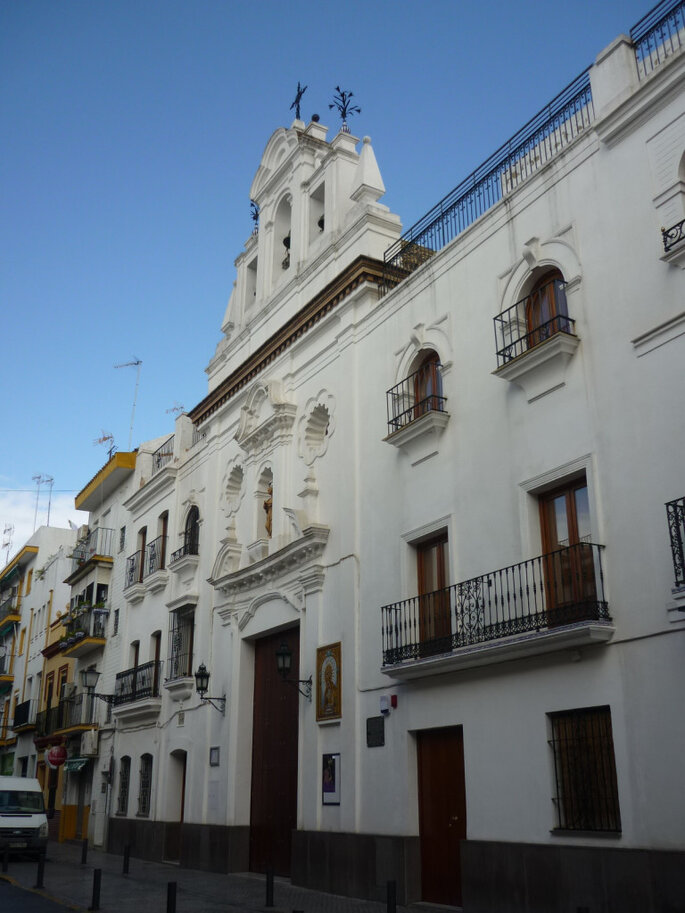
(540, 140)
(8, 606)
(100, 541)
(138, 683)
(190, 547)
(675, 511)
(530, 322)
(178, 666)
(658, 35)
(88, 622)
(198, 436)
(80, 710)
(5, 664)
(560, 588)
(673, 235)
(414, 396)
(24, 714)
(163, 455)
(156, 556)
(134, 569)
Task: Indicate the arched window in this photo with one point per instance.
(191, 535)
(546, 311)
(427, 385)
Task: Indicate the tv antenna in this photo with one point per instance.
(106, 438)
(7, 534)
(40, 479)
(135, 363)
(176, 409)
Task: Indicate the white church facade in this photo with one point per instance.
(429, 477)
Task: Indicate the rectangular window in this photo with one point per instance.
(180, 657)
(145, 789)
(115, 623)
(585, 770)
(434, 597)
(122, 538)
(124, 780)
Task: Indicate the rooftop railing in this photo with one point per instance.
(562, 587)
(163, 455)
(675, 512)
(658, 35)
(541, 139)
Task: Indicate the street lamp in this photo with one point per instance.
(202, 685)
(89, 679)
(284, 660)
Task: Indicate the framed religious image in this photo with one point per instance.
(330, 780)
(328, 683)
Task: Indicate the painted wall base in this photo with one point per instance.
(535, 878)
(212, 848)
(357, 865)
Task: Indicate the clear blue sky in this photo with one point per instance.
(131, 134)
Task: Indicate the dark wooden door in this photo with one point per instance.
(570, 589)
(442, 813)
(273, 811)
(434, 599)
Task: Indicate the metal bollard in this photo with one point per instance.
(127, 856)
(84, 851)
(41, 871)
(269, 887)
(392, 897)
(171, 897)
(97, 879)
(5, 860)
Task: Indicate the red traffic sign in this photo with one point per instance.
(56, 756)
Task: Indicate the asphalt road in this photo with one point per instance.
(17, 900)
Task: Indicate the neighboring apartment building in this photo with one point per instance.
(432, 579)
(33, 592)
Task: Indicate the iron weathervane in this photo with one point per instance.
(298, 98)
(342, 100)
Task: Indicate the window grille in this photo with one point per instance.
(145, 789)
(179, 664)
(585, 770)
(122, 538)
(124, 780)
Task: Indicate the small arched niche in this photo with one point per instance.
(264, 496)
(282, 238)
(234, 489)
(317, 208)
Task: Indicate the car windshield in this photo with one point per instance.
(19, 801)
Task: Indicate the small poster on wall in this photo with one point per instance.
(328, 683)
(330, 780)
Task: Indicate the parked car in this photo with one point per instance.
(23, 822)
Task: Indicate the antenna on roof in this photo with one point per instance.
(136, 363)
(39, 479)
(176, 409)
(106, 438)
(7, 534)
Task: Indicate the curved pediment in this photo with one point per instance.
(277, 150)
(266, 418)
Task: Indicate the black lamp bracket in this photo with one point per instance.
(220, 701)
(305, 690)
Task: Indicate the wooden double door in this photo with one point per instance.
(273, 806)
(442, 812)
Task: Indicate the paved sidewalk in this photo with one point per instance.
(144, 889)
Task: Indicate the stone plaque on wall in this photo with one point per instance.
(375, 731)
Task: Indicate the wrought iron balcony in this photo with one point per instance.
(163, 455)
(9, 607)
(542, 594)
(48, 721)
(190, 547)
(531, 321)
(415, 396)
(156, 556)
(673, 235)
(24, 715)
(179, 665)
(675, 512)
(137, 684)
(79, 710)
(134, 569)
(85, 629)
(99, 541)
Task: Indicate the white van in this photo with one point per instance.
(23, 824)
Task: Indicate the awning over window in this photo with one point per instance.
(74, 764)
